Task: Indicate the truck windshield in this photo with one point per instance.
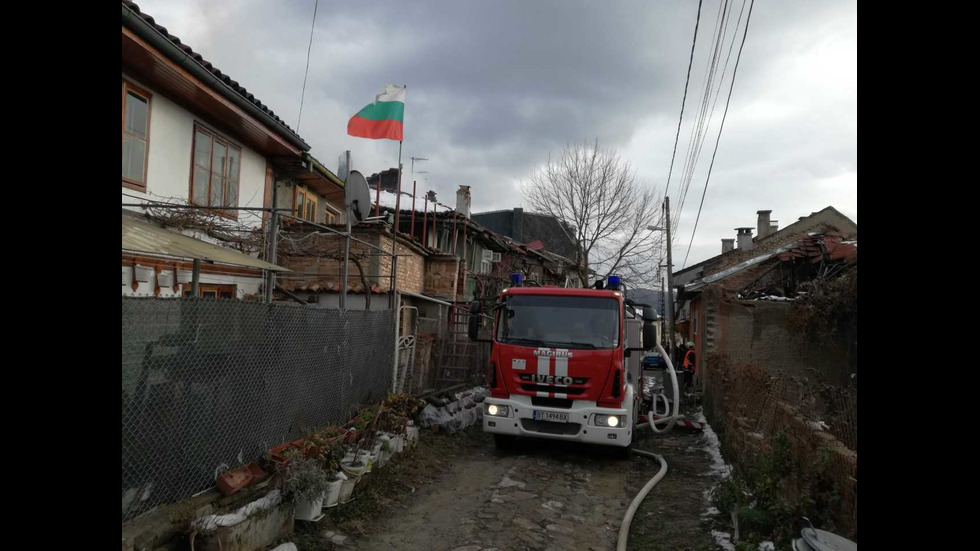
(559, 322)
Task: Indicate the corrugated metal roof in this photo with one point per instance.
(143, 236)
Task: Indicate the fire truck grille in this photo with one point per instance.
(564, 403)
(545, 388)
(548, 427)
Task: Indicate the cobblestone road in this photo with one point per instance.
(550, 495)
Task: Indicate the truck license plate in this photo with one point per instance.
(549, 416)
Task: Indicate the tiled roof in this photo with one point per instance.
(207, 65)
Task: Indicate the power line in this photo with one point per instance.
(727, 102)
(307, 72)
(694, 155)
(684, 100)
(701, 124)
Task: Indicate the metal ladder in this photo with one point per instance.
(457, 354)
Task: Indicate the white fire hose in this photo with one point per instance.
(624, 528)
(670, 419)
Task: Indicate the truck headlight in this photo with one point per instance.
(497, 411)
(611, 421)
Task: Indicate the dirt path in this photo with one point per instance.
(458, 493)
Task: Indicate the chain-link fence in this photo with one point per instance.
(211, 384)
(816, 423)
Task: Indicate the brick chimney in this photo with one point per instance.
(763, 226)
(463, 200)
(518, 228)
(727, 245)
(744, 239)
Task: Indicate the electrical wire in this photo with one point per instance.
(687, 81)
(695, 155)
(699, 132)
(307, 72)
(715, 152)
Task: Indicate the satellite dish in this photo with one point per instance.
(360, 196)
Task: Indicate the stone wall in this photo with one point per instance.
(440, 277)
(759, 333)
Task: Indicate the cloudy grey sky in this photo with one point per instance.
(493, 87)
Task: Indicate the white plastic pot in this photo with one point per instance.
(332, 495)
(398, 444)
(346, 489)
(308, 510)
(368, 458)
(412, 434)
(350, 470)
(381, 456)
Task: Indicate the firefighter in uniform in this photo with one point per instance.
(689, 365)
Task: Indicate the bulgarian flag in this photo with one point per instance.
(381, 119)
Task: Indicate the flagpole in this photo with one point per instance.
(395, 303)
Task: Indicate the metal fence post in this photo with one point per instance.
(270, 283)
(347, 212)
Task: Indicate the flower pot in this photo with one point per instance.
(308, 510)
(412, 433)
(231, 481)
(346, 489)
(332, 495)
(351, 470)
(368, 458)
(381, 456)
(278, 453)
(398, 444)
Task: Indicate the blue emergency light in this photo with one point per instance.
(516, 279)
(613, 283)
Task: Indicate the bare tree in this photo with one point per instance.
(596, 198)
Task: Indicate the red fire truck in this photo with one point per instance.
(564, 364)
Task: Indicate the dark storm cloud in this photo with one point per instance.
(494, 87)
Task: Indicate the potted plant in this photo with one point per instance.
(352, 465)
(331, 453)
(346, 487)
(304, 480)
(411, 434)
(332, 494)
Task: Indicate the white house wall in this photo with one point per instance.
(244, 285)
(169, 161)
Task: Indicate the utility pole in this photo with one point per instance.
(669, 305)
(663, 310)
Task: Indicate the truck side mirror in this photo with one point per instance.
(649, 329)
(649, 335)
(474, 322)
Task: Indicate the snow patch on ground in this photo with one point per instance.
(507, 482)
(723, 539)
(718, 465)
(767, 546)
(718, 468)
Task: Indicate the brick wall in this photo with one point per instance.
(440, 277)
(319, 256)
(758, 332)
(748, 407)
(411, 266)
